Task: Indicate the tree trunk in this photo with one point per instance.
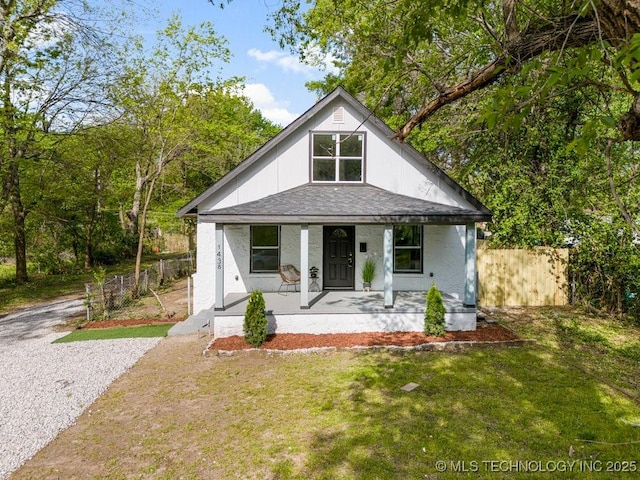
(134, 213)
(141, 228)
(19, 223)
(88, 255)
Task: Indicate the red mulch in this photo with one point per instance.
(131, 322)
(295, 341)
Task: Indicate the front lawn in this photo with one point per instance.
(603, 346)
(492, 412)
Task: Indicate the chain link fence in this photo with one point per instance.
(116, 294)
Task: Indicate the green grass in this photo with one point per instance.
(604, 346)
(145, 331)
(343, 415)
(39, 288)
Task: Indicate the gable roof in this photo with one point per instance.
(362, 203)
(191, 208)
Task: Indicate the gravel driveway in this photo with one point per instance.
(44, 387)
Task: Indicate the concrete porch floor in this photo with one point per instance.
(339, 302)
(335, 311)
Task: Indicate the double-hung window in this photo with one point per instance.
(407, 249)
(265, 248)
(337, 157)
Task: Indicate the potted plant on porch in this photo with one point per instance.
(313, 272)
(368, 273)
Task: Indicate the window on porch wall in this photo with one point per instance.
(265, 248)
(407, 249)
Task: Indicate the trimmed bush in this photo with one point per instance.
(255, 320)
(434, 315)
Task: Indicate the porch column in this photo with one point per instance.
(304, 266)
(387, 266)
(219, 305)
(470, 266)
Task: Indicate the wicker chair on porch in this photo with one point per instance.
(290, 276)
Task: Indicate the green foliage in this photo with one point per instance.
(605, 267)
(255, 320)
(434, 315)
(78, 185)
(368, 269)
(531, 147)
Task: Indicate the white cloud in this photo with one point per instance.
(270, 56)
(263, 100)
(290, 63)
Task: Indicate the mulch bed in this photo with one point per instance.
(131, 322)
(299, 341)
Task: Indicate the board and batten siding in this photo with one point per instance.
(526, 278)
(287, 166)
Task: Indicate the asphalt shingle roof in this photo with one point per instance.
(343, 204)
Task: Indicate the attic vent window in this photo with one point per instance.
(338, 115)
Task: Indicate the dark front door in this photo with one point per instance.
(339, 245)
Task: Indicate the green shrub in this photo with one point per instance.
(434, 315)
(255, 320)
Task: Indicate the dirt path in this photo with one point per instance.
(37, 321)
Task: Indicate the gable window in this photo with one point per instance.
(407, 249)
(337, 157)
(265, 248)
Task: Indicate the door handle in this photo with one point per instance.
(350, 261)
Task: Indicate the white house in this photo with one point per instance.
(330, 190)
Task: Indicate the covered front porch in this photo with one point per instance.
(340, 312)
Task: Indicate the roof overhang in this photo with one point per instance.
(343, 204)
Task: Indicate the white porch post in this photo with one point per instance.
(387, 266)
(304, 266)
(219, 305)
(470, 266)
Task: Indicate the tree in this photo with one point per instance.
(50, 82)
(77, 199)
(434, 315)
(255, 320)
(424, 56)
(533, 106)
(156, 96)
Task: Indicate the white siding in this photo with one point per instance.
(443, 257)
(387, 165)
(204, 280)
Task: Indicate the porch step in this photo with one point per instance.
(200, 321)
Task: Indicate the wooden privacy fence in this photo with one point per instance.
(536, 277)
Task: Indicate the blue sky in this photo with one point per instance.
(274, 78)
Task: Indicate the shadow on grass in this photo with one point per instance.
(520, 405)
